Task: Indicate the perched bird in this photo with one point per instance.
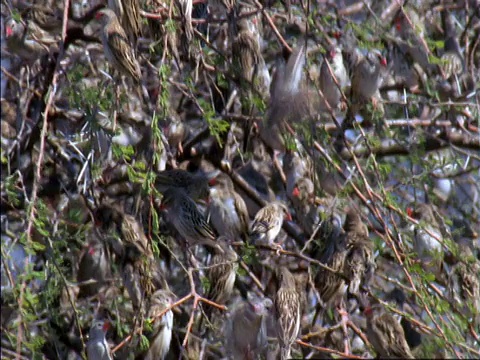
(463, 287)
(249, 61)
(94, 265)
(183, 214)
(176, 132)
(20, 43)
(246, 330)
(412, 33)
(221, 273)
(117, 47)
(161, 334)
(413, 337)
(227, 210)
(332, 65)
(386, 335)
(267, 224)
(359, 264)
(97, 346)
(196, 185)
(365, 82)
(141, 273)
(287, 312)
(128, 13)
(427, 234)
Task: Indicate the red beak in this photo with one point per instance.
(91, 250)
(8, 31)
(296, 192)
(288, 217)
(106, 326)
(383, 61)
(410, 212)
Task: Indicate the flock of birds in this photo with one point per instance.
(251, 242)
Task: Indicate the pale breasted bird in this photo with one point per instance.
(268, 222)
(97, 346)
(366, 79)
(287, 312)
(227, 209)
(161, 335)
(331, 91)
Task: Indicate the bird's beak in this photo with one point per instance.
(106, 326)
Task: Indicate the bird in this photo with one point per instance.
(117, 47)
(463, 286)
(128, 13)
(287, 312)
(288, 101)
(93, 265)
(386, 334)
(221, 273)
(427, 234)
(332, 65)
(20, 43)
(246, 329)
(331, 286)
(183, 214)
(176, 132)
(227, 210)
(248, 59)
(413, 337)
(141, 273)
(161, 334)
(195, 185)
(365, 81)
(268, 222)
(359, 264)
(97, 346)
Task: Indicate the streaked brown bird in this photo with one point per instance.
(183, 214)
(141, 273)
(287, 312)
(268, 222)
(359, 264)
(128, 13)
(117, 47)
(386, 334)
(221, 272)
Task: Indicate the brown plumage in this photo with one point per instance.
(268, 222)
(359, 264)
(140, 272)
(287, 312)
(117, 47)
(386, 334)
(227, 210)
(161, 334)
(330, 285)
(221, 273)
(128, 12)
(183, 214)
